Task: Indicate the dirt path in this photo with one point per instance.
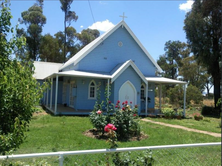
(183, 128)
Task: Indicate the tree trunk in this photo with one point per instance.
(64, 58)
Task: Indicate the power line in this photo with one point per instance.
(92, 13)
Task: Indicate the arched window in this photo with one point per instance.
(92, 90)
(142, 92)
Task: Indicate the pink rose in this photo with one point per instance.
(109, 127)
(123, 108)
(126, 102)
(118, 101)
(99, 112)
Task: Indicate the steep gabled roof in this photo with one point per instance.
(88, 48)
(123, 67)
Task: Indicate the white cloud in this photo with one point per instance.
(102, 26)
(81, 26)
(186, 6)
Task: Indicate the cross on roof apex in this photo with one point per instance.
(123, 16)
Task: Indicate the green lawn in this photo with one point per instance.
(53, 133)
(207, 124)
(65, 133)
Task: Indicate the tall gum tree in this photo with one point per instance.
(203, 32)
(69, 16)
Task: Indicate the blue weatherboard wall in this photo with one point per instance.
(128, 75)
(108, 54)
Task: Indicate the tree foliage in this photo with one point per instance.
(175, 51)
(19, 90)
(49, 49)
(195, 74)
(34, 19)
(87, 35)
(69, 16)
(203, 31)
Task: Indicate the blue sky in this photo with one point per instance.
(153, 22)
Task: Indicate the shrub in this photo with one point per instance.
(124, 120)
(210, 111)
(19, 91)
(168, 112)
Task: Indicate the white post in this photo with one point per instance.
(146, 91)
(47, 97)
(56, 94)
(184, 100)
(51, 93)
(107, 93)
(160, 96)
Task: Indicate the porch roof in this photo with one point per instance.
(81, 74)
(163, 80)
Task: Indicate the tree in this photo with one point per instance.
(195, 74)
(50, 50)
(68, 18)
(171, 60)
(19, 90)
(87, 35)
(72, 46)
(203, 31)
(35, 20)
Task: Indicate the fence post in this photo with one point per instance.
(61, 160)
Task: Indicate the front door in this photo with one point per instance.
(127, 92)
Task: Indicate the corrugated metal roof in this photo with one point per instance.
(163, 80)
(44, 69)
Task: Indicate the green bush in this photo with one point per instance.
(168, 112)
(19, 91)
(210, 111)
(176, 95)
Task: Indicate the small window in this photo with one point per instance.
(142, 92)
(92, 90)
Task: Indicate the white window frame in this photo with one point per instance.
(95, 89)
(144, 89)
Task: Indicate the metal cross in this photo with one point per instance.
(123, 16)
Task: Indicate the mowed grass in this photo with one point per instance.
(207, 124)
(65, 133)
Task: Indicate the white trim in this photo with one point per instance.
(122, 68)
(144, 88)
(51, 93)
(56, 93)
(163, 80)
(89, 86)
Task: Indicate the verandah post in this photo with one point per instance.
(56, 95)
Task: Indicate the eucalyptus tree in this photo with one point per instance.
(170, 62)
(34, 19)
(50, 50)
(203, 31)
(87, 35)
(69, 16)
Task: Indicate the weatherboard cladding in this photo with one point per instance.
(114, 35)
(108, 54)
(127, 75)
